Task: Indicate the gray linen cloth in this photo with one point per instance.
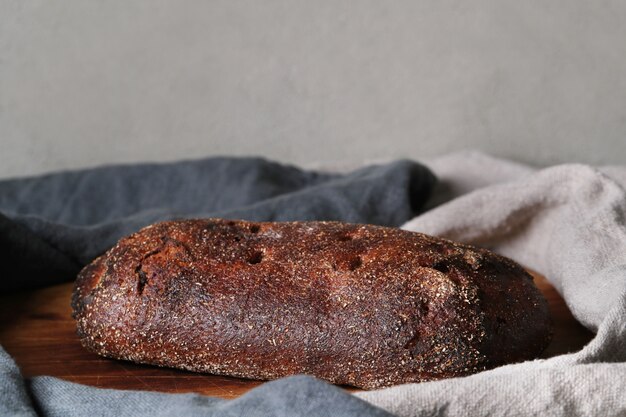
(567, 222)
(52, 225)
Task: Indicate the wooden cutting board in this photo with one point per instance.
(37, 329)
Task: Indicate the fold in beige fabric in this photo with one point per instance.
(567, 222)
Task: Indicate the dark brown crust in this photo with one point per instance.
(360, 305)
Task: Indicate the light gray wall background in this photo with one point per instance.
(89, 82)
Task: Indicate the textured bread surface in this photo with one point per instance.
(360, 305)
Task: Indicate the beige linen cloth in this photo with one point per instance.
(567, 222)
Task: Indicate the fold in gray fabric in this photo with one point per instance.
(294, 396)
(567, 222)
(54, 224)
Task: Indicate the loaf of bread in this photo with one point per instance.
(360, 305)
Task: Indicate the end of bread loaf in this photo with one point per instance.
(360, 305)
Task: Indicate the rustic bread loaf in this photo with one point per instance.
(360, 305)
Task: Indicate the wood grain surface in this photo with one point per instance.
(37, 329)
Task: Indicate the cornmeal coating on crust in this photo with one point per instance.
(360, 305)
